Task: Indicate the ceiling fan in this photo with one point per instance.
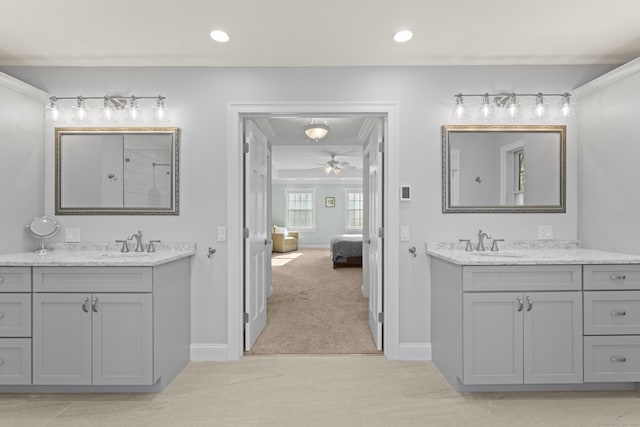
(334, 166)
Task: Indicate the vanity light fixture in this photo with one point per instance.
(403, 36)
(315, 130)
(509, 105)
(113, 108)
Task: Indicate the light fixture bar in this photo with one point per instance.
(509, 105)
(110, 106)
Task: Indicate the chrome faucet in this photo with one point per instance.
(139, 245)
(481, 236)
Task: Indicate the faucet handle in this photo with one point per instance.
(152, 248)
(469, 247)
(125, 245)
(494, 245)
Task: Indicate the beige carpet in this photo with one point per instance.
(315, 309)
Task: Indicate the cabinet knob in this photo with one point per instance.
(618, 359)
(615, 313)
(618, 277)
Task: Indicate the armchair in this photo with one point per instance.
(283, 240)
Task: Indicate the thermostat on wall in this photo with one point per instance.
(405, 192)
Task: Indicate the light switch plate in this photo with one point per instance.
(72, 234)
(404, 233)
(222, 234)
(545, 232)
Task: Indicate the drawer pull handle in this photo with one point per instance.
(618, 277)
(85, 305)
(618, 359)
(530, 304)
(615, 313)
(94, 304)
(520, 304)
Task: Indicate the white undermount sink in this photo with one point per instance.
(505, 254)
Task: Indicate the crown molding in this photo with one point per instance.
(22, 87)
(608, 79)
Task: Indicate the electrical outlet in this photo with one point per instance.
(222, 234)
(545, 232)
(72, 235)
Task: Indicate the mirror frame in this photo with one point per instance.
(173, 210)
(446, 133)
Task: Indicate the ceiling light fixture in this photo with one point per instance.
(110, 110)
(402, 36)
(315, 130)
(219, 36)
(509, 104)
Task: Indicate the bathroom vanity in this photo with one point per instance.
(75, 321)
(536, 319)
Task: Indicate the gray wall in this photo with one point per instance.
(199, 98)
(21, 164)
(329, 221)
(609, 174)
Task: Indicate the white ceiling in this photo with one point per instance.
(332, 32)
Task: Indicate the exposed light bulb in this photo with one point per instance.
(161, 112)
(54, 110)
(108, 113)
(512, 109)
(486, 108)
(540, 108)
(337, 170)
(565, 107)
(81, 111)
(328, 170)
(460, 109)
(134, 113)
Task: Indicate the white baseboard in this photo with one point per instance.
(209, 352)
(414, 351)
(313, 246)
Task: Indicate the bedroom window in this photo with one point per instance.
(300, 209)
(354, 209)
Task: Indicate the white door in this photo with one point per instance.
(257, 242)
(375, 179)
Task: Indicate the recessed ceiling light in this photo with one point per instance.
(219, 36)
(403, 36)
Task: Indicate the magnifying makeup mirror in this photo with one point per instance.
(42, 227)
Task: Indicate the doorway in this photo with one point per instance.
(237, 207)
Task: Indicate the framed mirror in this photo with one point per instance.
(507, 169)
(117, 171)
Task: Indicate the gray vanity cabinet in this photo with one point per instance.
(99, 339)
(522, 338)
(103, 336)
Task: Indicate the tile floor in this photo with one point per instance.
(330, 391)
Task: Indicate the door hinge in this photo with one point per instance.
(245, 147)
(381, 147)
(245, 233)
(381, 317)
(381, 232)
(245, 317)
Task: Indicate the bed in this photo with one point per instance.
(346, 249)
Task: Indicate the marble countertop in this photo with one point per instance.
(98, 255)
(519, 254)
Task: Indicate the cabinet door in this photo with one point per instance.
(492, 338)
(61, 339)
(553, 338)
(122, 339)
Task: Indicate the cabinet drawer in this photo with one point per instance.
(612, 313)
(15, 279)
(612, 359)
(522, 278)
(15, 361)
(609, 277)
(15, 315)
(92, 279)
